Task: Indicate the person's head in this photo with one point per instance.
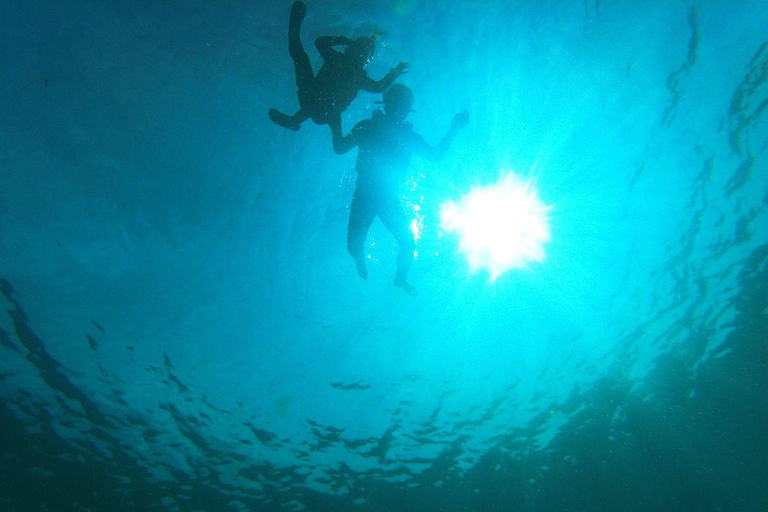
(360, 51)
(398, 100)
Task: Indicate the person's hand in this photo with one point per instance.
(400, 69)
(460, 120)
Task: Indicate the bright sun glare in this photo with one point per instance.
(501, 226)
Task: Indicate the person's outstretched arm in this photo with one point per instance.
(436, 153)
(382, 85)
(342, 144)
(325, 44)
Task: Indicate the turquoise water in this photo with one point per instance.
(183, 328)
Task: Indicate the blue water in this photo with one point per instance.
(183, 329)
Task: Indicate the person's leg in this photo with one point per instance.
(398, 222)
(361, 215)
(291, 122)
(304, 76)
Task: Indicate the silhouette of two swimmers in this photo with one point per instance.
(386, 142)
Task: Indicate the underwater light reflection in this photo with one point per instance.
(500, 226)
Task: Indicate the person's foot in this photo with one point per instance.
(402, 283)
(298, 11)
(361, 270)
(284, 120)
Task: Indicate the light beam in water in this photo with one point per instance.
(501, 226)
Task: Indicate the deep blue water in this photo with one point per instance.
(183, 328)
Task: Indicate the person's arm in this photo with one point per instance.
(325, 44)
(382, 85)
(436, 153)
(342, 144)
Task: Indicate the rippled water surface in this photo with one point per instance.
(183, 329)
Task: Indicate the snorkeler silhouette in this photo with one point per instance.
(386, 143)
(325, 96)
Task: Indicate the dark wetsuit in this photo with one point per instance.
(385, 151)
(386, 144)
(327, 95)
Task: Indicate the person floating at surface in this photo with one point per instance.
(386, 143)
(325, 96)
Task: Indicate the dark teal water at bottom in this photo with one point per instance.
(676, 451)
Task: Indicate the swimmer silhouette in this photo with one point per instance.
(386, 143)
(325, 96)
